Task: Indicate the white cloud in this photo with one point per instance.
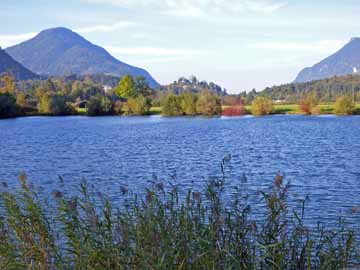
(323, 46)
(196, 8)
(10, 40)
(104, 28)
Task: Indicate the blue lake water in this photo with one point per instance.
(320, 156)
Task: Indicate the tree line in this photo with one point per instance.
(133, 96)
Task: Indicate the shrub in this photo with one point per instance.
(308, 105)
(118, 107)
(8, 107)
(208, 104)
(171, 105)
(99, 105)
(188, 103)
(261, 106)
(138, 106)
(237, 110)
(344, 106)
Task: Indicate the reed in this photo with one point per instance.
(165, 229)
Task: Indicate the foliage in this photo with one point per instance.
(164, 229)
(344, 105)
(53, 104)
(99, 105)
(261, 106)
(208, 104)
(142, 86)
(21, 99)
(308, 104)
(118, 107)
(237, 110)
(8, 84)
(8, 107)
(171, 105)
(138, 106)
(126, 87)
(188, 103)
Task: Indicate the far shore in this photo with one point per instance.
(278, 109)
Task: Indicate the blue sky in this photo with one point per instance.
(239, 44)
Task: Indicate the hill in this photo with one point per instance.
(193, 85)
(345, 61)
(60, 52)
(326, 90)
(9, 65)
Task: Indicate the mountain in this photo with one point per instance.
(60, 51)
(345, 61)
(9, 65)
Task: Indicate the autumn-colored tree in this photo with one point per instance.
(8, 84)
(308, 104)
(21, 99)
(261, 106)
(188, 103)
(208, 104)
(344, 105)
(139, 105)
(126, 87)
(171, 105)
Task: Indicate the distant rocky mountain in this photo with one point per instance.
(345, 61)
(60, 52)
(192, 84)
(9, 65)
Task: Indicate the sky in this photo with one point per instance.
(238, 44)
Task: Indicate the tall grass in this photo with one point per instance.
(162, 229)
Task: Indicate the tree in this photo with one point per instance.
(52, 104)
(8, 84)
(139, 105)
(44, 104)
(261, 106)
(171, 105)
(208, 104)
(188, 103)
(344, 105)
(308, 104)
(8, 107)
(142, 86)
(126, 87)
(21, 99)
(99, 105)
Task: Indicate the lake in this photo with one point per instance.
(320, 156)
